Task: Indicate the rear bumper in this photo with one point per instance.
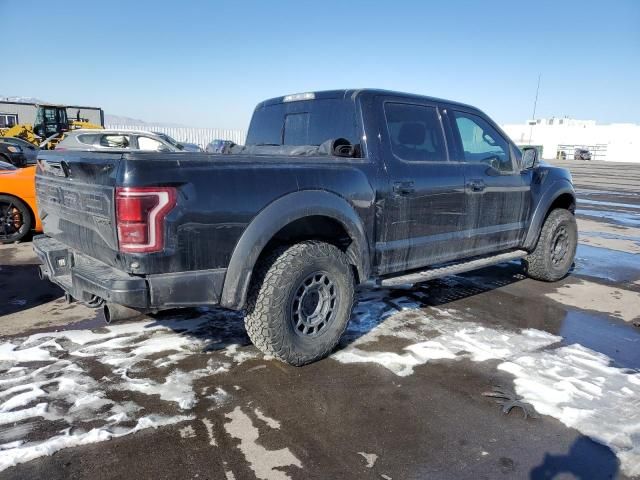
(91, 281)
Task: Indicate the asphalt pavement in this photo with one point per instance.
(478, 376)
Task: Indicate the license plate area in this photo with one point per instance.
(60, 261)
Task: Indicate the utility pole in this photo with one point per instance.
(535, 104)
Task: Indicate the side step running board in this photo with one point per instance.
(452, 269)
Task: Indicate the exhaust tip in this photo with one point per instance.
(114, 312)
(107, 314)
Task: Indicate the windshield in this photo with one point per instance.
(169, 139)
(304, 123)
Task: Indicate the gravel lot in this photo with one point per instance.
(185, 395)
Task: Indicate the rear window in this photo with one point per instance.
(304, 123)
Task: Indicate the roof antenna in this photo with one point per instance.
(535, 104)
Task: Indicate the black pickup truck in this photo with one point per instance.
(332, 189)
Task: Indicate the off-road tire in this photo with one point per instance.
(271, 312)
(25, 214)
(543, 263)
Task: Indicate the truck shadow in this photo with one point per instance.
(374, 306)
(585, 460)
(216, 327)
(220, 328)
(22, 289)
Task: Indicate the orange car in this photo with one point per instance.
(18, 209)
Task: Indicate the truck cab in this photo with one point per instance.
(455, 184)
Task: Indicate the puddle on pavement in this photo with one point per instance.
(603, 203)
(618, 340)
(621, 218)
(605, 193)
(603, 263)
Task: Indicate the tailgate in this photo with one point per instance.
(75, 192)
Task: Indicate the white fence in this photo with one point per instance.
(199, 136)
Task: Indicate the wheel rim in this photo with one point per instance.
(560, 245)
(314, 304)
(11, 220)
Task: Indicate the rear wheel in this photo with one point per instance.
(556, 249)
(15, 219)
(300, 301)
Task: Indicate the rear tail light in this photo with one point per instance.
(140, 214)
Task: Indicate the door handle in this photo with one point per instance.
(403, 188)
(476, 185)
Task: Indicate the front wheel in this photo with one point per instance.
(15, 219)
(300, 301)
(556, 249)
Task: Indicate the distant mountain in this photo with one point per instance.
(109, 119)
(21, 99)
(121, 120)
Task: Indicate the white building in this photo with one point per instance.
(617, 142)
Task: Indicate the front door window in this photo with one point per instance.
(482, 143)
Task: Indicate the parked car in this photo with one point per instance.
(115, 140)
(333, 189)
(12, 154)
(18, 208)
(219, 146)
(581, 154)
(187, 147)
(30, 151)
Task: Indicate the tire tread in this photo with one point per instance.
(267, 296)
(538, 261)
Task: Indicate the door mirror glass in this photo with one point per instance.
(492, 172)
(529, 158)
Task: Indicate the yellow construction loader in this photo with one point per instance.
(49, 128)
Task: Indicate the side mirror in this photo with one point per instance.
(529, 158)
(163, 149)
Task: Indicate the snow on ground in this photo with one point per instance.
(80, 386)
(578, 387)
(90, 386)
(574, 384)
(442, 336)
(265, 463)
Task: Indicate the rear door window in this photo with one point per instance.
(115, 141)
(88, 139)
(415, 132)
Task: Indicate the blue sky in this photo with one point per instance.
(207, 63)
